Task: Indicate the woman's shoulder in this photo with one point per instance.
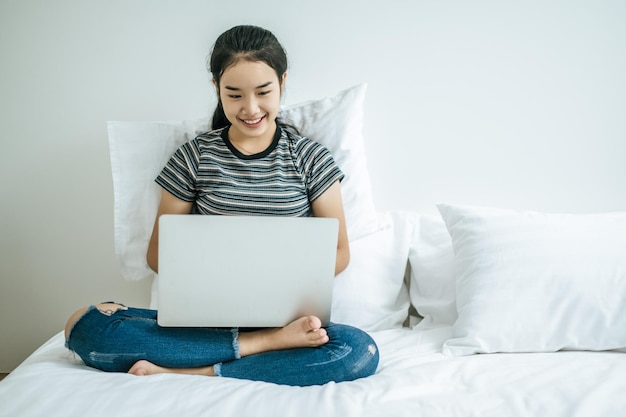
(301, 143)
(205, 141)
(208, 137)
(204, 145)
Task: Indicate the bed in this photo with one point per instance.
(476, 311)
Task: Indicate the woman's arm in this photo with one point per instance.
(169, 205)
(329, 204)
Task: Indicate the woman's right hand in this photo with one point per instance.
(169, 204)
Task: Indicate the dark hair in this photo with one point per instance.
(250, 43)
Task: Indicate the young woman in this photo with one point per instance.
(249, 164)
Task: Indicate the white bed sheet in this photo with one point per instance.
(414, 379)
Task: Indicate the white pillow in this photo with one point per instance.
(139, 150)
(537, 282)
(370, 293)
(432, 283)
(337, 123)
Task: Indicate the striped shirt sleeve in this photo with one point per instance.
(179, 176)
(321, 170)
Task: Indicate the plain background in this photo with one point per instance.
(514, 104)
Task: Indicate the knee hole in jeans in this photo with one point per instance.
(108, 309)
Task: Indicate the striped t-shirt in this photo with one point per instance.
(283, 180)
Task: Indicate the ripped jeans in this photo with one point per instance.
(114, 340)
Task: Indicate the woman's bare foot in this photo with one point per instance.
(143, 368)
(303, 332)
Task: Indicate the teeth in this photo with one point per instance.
(253, 121)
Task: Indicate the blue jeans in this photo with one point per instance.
(114, 342)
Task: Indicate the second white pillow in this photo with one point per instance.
(536, 282)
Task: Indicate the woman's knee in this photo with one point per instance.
(73, 319)
(363, 356)
(107, 309)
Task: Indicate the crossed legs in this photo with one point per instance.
(303, 332)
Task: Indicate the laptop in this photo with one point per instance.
(244, 271)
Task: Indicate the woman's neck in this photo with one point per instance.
(251, 145)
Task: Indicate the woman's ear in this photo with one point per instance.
(217, 87)
(282, 80)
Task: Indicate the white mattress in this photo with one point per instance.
(414, 379)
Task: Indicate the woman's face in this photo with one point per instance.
(250, 93)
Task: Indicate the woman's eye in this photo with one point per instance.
(234, 96)
(263, 93)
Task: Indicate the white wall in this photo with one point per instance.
(515, 104)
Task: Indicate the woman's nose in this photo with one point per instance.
(250, 105)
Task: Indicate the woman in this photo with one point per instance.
(249, 164)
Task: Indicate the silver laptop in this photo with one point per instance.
(240, 271)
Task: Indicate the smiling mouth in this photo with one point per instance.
(252, 122)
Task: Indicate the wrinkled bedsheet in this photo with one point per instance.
(413, 379)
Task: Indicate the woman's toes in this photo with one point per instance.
(314, 323)
(141, 368)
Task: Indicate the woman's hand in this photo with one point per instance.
(330, 204)
(169, 205)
